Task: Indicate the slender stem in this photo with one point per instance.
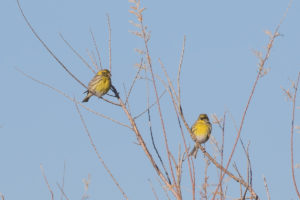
(258, 76)
(109, 40)
(267, 189)
(62, 191)
(46, 181)
(179, 71)
(63, 181)
(158, 104)
(76, 53)
(292, 136)
(97, 49)
(142, 142)
(98, 155)
(47, 48)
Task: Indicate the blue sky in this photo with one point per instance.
(39, 126)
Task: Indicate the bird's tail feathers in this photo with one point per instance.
(86, 99)
(194, 151)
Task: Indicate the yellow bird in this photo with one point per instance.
(99, 85)
(201, 132)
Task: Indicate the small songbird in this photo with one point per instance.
(201, 132)
(99, 85)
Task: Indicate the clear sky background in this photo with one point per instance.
(39, 126)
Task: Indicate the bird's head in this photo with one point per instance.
(203, 117)
(104, 72)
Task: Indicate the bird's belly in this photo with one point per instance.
(202, 138)
(102, 88)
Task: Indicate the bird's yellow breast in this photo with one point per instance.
(201, 130)
(103, 86)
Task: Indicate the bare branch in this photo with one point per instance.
(170, 84)
(241, 190)
(63, 181)
(267, 189)
(292, 135)
(164, 189)
(133, 82)
(96, 47)
(259, 75)
(148, 108)
(145, 35)
(212, 159)
(146, 39)
(249, 167)
(97, 153)
(179, 71)
(77, 54)
(47, 48)
(109, 40)
(46, 181)
(190, 161)
(62, 191)
(142, 142)
(2, 196)
(92, 57)
(73, 100)
(153, 190)
(152, 138)
(205, 182)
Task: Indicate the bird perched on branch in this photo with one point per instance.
(201, 131)
(99, 85)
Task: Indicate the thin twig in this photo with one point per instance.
(267, 189)
(142, 142)
(46, 181)
(148, 108)
(63, 181)
(164, 189)
(97, 153)
(180, 110)
(151, 134)
(47, 48)
(73, 100)
(77, 54)
(109, 40)
(92, 57)
(179, 71)
(249, 167)
(133, 82)
(212, 159)
(292, 135)
(159, 108)
(145, 37)
(53, 55)
(205, 183)
(86, 183)
(259, 75)
(170, 84)
(178, 168)
(153, 190)
(222, 151)
(237, 170)
(2, 196)
(125, 92)
(96, 47)
(62, 191)
(190, 161)
(221, 124)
